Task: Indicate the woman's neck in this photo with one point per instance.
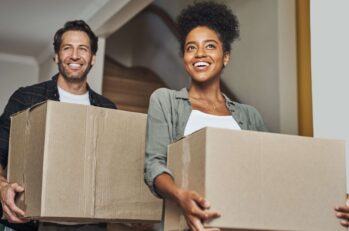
(210, 93)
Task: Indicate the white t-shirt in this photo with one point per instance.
(68, 97)
(198, 120)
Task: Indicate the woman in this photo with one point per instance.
(207, 30)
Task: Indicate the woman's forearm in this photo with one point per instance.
(166, 187)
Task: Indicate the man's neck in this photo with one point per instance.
(73, 88)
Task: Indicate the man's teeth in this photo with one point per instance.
(201, 64)
(74, 65)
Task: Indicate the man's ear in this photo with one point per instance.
(55, 58)
(93, 61)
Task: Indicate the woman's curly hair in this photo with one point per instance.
(217, 17)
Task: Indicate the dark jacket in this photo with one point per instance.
(22, 99)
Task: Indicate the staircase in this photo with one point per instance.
(129, 87)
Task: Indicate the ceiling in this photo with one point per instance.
(27, 26)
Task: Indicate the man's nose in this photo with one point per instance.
(75, 54)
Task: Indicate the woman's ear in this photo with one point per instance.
(226, 58)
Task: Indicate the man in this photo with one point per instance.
(75, 47)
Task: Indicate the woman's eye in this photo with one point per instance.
(190, 48)
(211, 46)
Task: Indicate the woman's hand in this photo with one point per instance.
(195, 210)
(195, 207)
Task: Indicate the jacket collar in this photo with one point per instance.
(55, 95)
(183, 94)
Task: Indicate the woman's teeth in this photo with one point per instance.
(201, 64)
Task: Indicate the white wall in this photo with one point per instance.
(330, 73)
(16, 71)
(262, 71)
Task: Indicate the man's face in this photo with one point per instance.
(75, 57)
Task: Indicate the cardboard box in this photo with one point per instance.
(81, 163)
(260, 181)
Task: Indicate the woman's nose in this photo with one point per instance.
(200, 52)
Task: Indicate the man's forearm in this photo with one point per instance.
(3, 180)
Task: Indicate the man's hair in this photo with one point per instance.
(217, 17)
(76, 25)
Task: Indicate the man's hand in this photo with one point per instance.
(195, 210)
(7, 196)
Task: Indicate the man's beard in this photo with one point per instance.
(72, 78)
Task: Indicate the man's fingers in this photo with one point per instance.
(12, 217)
(15, 209)
(9, 196)
(16, 187)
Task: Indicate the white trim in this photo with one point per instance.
(125, 13)
(287, 67)
(18, 58)
(92, 9)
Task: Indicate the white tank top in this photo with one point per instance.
(68, 97)
(198, 120)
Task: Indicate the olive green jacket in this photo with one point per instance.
(168, 114)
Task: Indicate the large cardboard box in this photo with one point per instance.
(81, 163)
(260, 181)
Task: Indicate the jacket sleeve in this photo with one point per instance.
(258, 120)
(15, 104)
(157, 140)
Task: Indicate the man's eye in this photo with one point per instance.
(83, 49)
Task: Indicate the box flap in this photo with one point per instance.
(25, 156)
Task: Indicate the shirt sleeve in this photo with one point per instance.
(157, 139)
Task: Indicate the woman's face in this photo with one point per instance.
(204, 57)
